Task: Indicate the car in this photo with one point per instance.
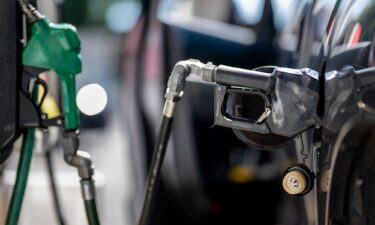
(335, 127)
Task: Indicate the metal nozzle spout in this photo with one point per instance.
(32, 15)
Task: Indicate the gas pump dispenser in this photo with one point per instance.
(48, 47)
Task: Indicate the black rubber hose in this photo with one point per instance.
(155, 168)
(55, 196)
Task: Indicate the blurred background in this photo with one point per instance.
(210, 176)
(129, 47)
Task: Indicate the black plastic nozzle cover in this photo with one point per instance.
(243, 78)
(293, 94)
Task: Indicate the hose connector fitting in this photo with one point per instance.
(177, 81)
(32, 15)
(82, 161)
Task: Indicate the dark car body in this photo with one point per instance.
(342, 52)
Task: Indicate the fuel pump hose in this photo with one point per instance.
(155, 168)
(175, 90)
(21, 180)
(91, 211)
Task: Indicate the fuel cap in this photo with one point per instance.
(298, 180)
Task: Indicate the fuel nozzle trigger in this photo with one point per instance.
(32, 114)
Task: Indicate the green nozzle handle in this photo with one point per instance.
(57, 47)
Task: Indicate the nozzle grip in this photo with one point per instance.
(232, 76)
(71, 113)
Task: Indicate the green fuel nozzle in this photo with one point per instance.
(55, 47)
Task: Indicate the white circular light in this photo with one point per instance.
(92, 99)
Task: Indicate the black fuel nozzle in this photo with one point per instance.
(226, 75)
(232, 76)
(221, 75)
(272, 102)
